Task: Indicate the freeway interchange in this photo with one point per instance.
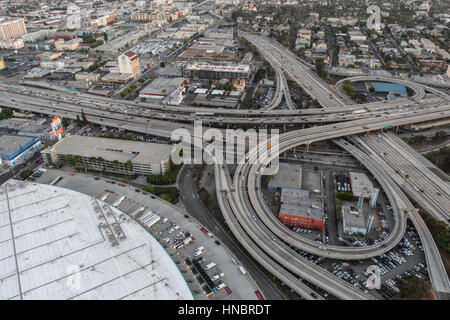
(266, 238)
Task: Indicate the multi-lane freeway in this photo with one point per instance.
(241, 203)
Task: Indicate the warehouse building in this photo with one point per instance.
(109, 155)
(161, 88)
(300, 210)
(14, 150)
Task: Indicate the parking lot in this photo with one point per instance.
(177, 227)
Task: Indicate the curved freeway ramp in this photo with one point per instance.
(438, 274)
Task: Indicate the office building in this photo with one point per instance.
(109, 155)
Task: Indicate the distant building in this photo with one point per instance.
(226, 33)
(110, 155)
(12, 44)
(12, 29)
(15, 150)
(216, 71)
(88, 77)
(102, 21)
(129, 63)
(71, 45)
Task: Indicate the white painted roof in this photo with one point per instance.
(61, 252)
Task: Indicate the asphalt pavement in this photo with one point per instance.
(196, 209)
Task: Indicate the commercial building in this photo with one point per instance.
(288, 177)
(110, 155)
(129, 63)
(15, 150)
(64, 233)
(64, 35)
(161, 88)
(299, 209)
(216, 71)
(12, 29)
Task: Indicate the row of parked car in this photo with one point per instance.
(419, 270)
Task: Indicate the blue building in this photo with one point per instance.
(385, 87)
(14, 150)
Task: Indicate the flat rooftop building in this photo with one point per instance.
(161, 87)
(288, 177)
(60, 244)
(298, 209)
(14, 149)
(112, 155)
(217, 71)
(361, 184)
(353, 220)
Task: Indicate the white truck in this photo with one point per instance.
(210, 265)
(153, 220)
(217, 276)
(118, 201)
(184, 243)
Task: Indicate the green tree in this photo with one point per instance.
(128, 166)
(26, 173)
